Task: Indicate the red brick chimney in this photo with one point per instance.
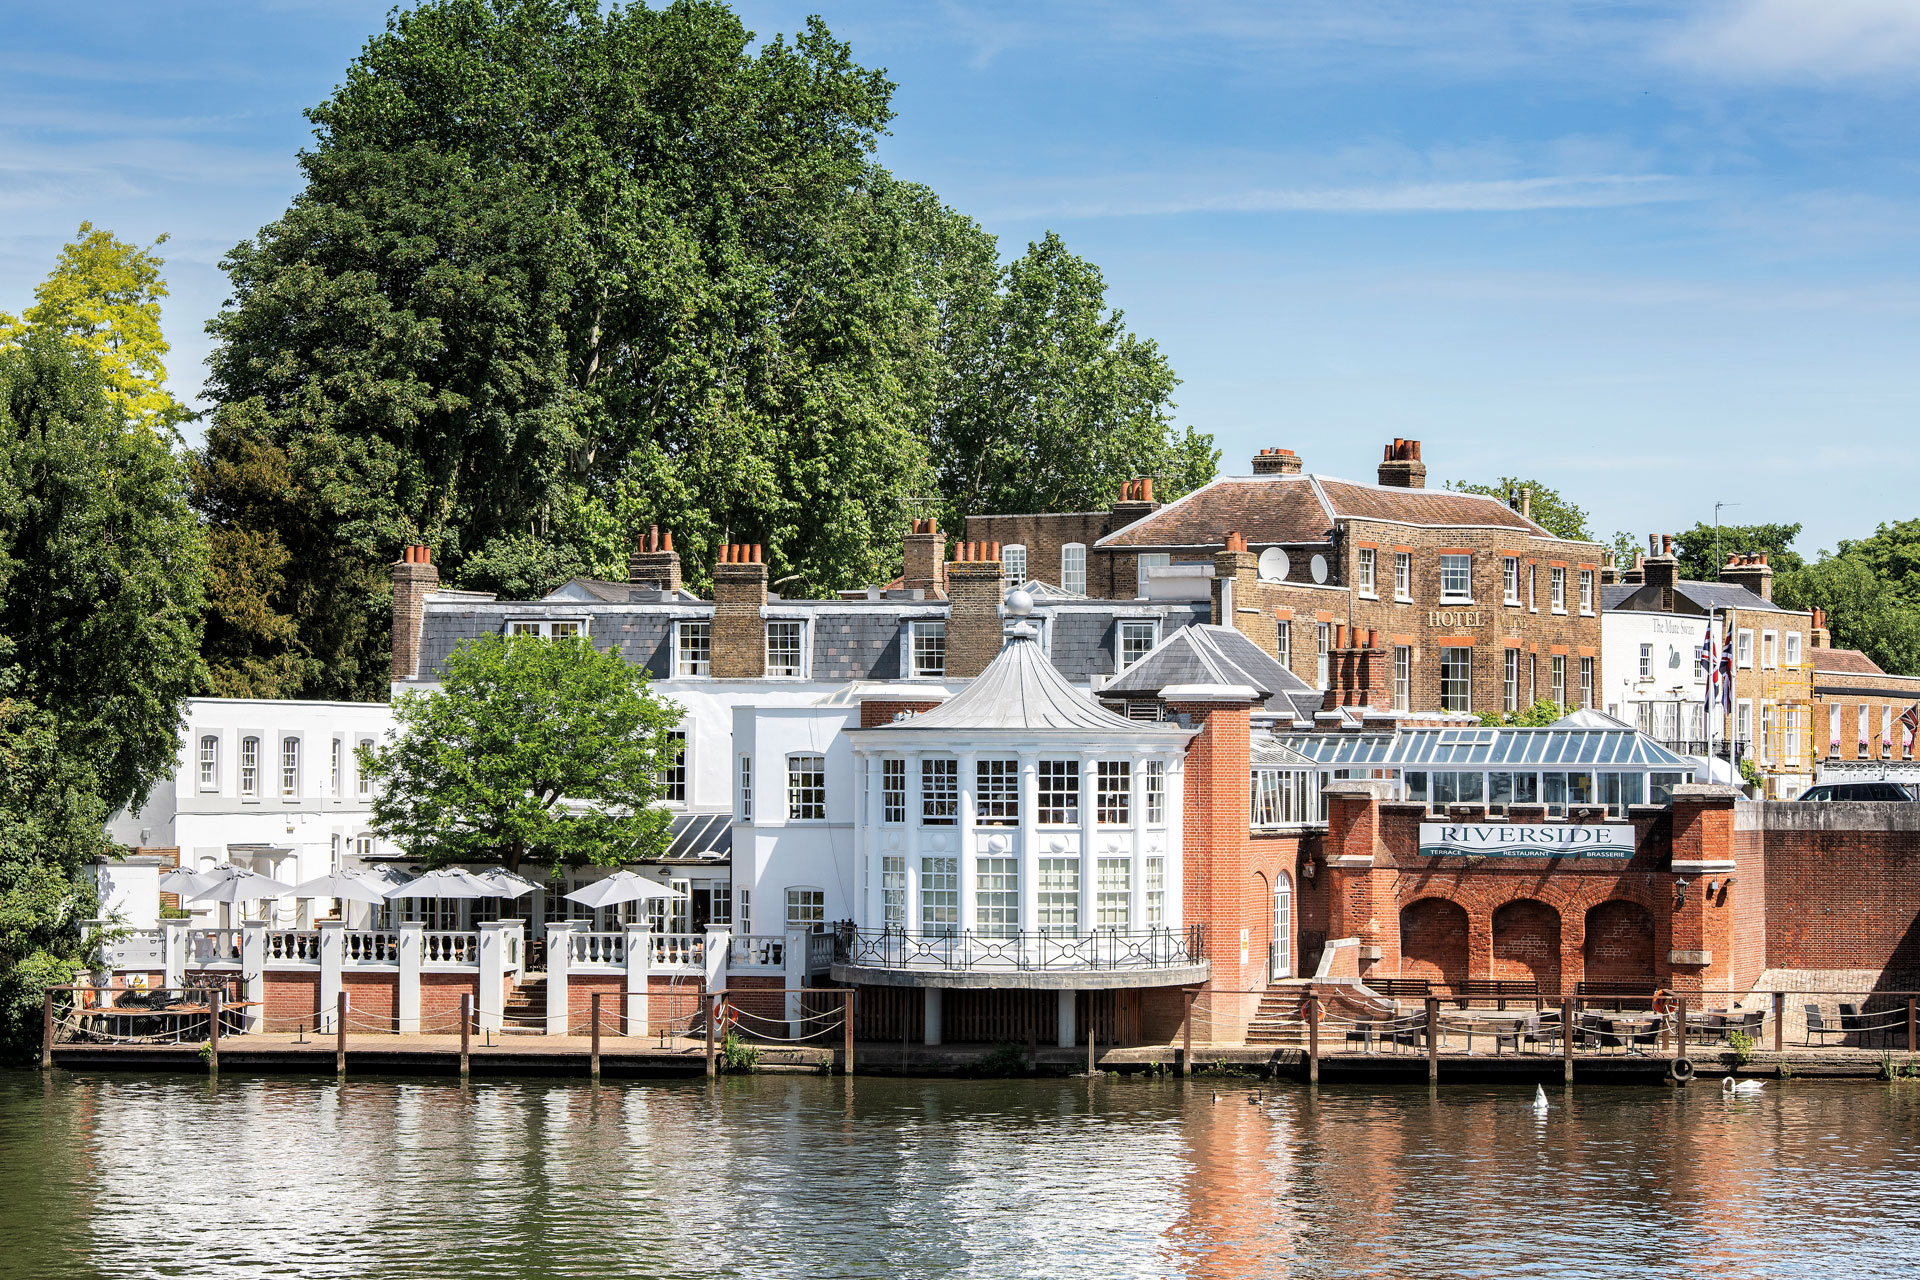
(654, 563)
(976, 583)
(414, 579)
(1359, 671)
(1821, 638)
(1136, 502)
(1402, 468)
(739, 593)
(923, 557)
(1662, 569)
(1276, 462)
(1751, 572)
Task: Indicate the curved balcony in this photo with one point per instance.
(1102, 959)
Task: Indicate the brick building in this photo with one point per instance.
(1474, 605)
(1857, 718)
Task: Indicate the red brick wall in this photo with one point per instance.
(877, 712)
(1839, 899)
(372, 1000)
(1621, 944)
(291, 1000)
(440, 1001)
(1746, 899)
(613, 1003)
(1433, 941)
(1526, 942)
(763, 1001)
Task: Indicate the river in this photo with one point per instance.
(803, 1176)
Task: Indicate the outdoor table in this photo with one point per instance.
(1514, 1018)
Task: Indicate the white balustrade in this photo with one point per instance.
(758, 951)
(371, 946)
(212, 946)
(133, 948)
(683, 952)
(444, 947)
(293, 946)
(607, 950)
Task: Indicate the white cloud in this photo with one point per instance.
(1817, 40)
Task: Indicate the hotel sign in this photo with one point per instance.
(1526, 840)
(1456, 618)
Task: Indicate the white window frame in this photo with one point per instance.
(1323, 647)
(1403, 575)
(362, 779)
(800, 631)
(1113, 793)
(1646, 661)
(1557, 586)
(996, 896)
(1145, 563)
(679, 766)
(807, 908)
(1402, 677)
(939, 791)
(1743, 648)
(1154, 786)
(1073, 568)
(1790, 648)
(1510, 579)
(1057, 894)
(290, 762)
(686, 665)
(1533, 586)
(1057, 793)
(339, 772)
(1466, 682)
(1557, 678)
(893, 791)
(1283, 642)
(746, 789)
(1769, 650)
(1013, 565)
(1365, 573)
(927, 629)
(1510, 679)
(210, 762)
(1454, 565)
(1587, 678)
(1134, 626)
(250, 768)
(996, 792)
(806, 774)
(1586, 592)
(544, 629)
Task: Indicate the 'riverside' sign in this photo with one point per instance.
(1526, 840)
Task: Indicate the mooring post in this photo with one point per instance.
(340, 1036)
(713, 1013)
(46, 1033)
(1680, 1020)
(1433, 1038)
(466, 1033)
(1779, 1021)
(1186, 1035)
(847, 1018)
(1566, 1039)
(1093, 1034)
(1910, 1027)
(593, 1054)
(213, 1029)
(1313, 1037)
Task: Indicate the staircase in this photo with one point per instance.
(1280, 1022)
(526, 1011)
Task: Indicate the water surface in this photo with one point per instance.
(802, 1176)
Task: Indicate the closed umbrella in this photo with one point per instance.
(453, 882)
(622, 886)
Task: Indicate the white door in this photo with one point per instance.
(1282, 926)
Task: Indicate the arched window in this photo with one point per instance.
(250, 767)
(1013, 565)
(210, 762)
(1073, 568)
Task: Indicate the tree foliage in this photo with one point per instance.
(540, 751)
(559, 274)
(1870, 589)
(1695, 548)
(103, 298)
(100, 580)
(1551, 511)
(1543, 712)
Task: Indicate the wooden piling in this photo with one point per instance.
(1910, 1027)
(466, 1033)
(1186, 1035)
(1092, 1035)
(1313, 1037)
(340, 1037)
(1680, 1020)
(1433, 1039)
(46, 1033)
(593, 1054)
(1779, 1021)
(213, 1030)
(847, 1019)
(713, 1014)
(1566, 1040)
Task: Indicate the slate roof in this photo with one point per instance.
(1210, 654)
(1700, 597)
(1301, 508)
(1845, 662)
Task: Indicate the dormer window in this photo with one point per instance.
(693, 648)
(547, 630)
(1013, 565)
(1136, 641)
(929, 648)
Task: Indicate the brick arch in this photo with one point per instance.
(1620, 943)
(1526, 942)
(1433, 940)
(1261, 921)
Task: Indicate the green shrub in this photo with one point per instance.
(736, 1054)
(1003, 1060)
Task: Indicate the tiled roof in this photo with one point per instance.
(1725, 595)
(1845, 662)
(1292, 509)
(1020, 690)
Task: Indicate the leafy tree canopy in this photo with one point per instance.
(559, 273)
(1870, 590)
(1551, 511)
(1695, 548)
(1542, 713)
(530, 751)
(103, 298)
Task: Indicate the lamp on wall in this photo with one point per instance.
(1308, 870)
(1680, 890)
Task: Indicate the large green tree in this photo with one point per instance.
(1699, 560)
(558, 274)
(1551, 511)
(530, 751)
(1870, 589)
(100, 582)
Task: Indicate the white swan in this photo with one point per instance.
(1729, 1085)
(1539, 1099)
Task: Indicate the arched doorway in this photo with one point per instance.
(1619, 948)
(1526, 943)
(1433, 941)
(1282, 949)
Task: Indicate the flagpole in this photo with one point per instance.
(1712, 673)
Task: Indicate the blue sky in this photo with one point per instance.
(1657, 256)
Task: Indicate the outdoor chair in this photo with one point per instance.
(1817, 1025)
(1543, 1028)
(1408, 1030)
(1361, 1032)
(1852, 1024)
(1641, 1037)
(1511, 1037)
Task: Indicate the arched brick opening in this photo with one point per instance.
(1620, 944)
(1433, 941)
(1526, 942)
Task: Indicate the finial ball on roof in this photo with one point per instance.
(1019, 603)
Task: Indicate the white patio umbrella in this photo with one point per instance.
(241, 885)
(622, 886)
(455, 882)
(187, 883)
(348, 886)
(512, 886)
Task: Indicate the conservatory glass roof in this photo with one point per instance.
(1487, 748)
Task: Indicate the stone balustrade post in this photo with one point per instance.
(253, 973)
(796, 978)
(412, 956)
(174, 930)
(719, 943)
(333, 959)
(496, 963)
(559, 966)
(639, 967)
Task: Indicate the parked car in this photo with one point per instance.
(1857, 791)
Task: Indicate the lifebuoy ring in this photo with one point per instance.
(1680, 1070)
(1663, 1001)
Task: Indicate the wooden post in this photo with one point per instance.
(1186, 1035)
(340, 1037)
(213, 1030)
(1093, 1034)
(1910, 1027)
(847, 1018)
(466, 1033)
(1779, 1021)
(1433, 1039)
(593, 1054)
(713, 1014)
(1566, 1039)
(1313, 1037)
(1680, 1020)
(46, 1032)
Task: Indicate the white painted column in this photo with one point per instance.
(875, 844)
(253, 973)
(333, 958)
(1137, 839)
(1067, 1010)
(407, 1000)
(933, 1022)
(796, 978)
(969, 796)
(494, 968)
(1174, 837)
(175, 929)
(639, 966)
(914, 846)
(1089, 834)
(1030, 849)
(719, 943)
(559, 967)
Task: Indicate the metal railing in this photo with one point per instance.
(971, 950)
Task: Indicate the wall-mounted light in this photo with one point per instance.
(1713, 890)
(1680, 890)
(1308, 869)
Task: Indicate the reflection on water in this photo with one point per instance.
(801, 1176)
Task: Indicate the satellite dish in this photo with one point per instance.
(1319, 568)
(1273, 565)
